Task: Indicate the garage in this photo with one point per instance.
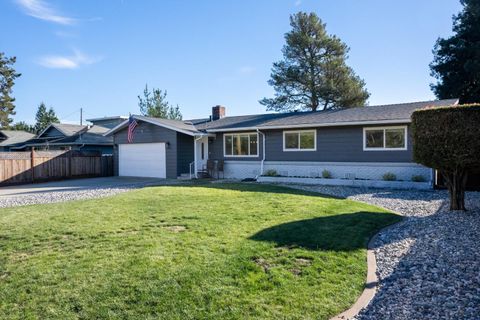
(142, 160)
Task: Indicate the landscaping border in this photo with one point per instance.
(371, 283)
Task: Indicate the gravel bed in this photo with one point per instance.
(428, 265)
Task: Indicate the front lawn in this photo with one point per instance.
(220, 251)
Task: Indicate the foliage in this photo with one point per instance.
(313, 74)
(44, 118)
(418, 178)
(7, 81)
(271, 173)
(448, 139)
(155, 104)
(23, 126)
(457, 59)
(326, 174)
(389, 176)
(229, 252)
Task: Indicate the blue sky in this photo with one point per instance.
(99, 55)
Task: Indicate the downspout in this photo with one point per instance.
(263, 153)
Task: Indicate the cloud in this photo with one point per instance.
(41, 10)
(246, 70)
(74, 61)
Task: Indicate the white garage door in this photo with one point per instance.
(142, 160)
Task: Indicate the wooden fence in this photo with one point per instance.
(38, 166)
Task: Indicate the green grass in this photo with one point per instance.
(223, 251)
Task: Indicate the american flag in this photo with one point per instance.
(132, 124)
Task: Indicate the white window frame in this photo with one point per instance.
(365, 148)
(314, 131)
(240, 155)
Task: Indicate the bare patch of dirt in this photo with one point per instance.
(176, 228)
(262, 263)
(303, 261)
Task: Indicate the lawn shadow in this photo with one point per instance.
(340, 232)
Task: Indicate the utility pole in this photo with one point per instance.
(81, 116)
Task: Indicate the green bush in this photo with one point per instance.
(389, 176)
(418, 178)
(448, 139)
(271, 173)
(326, 174)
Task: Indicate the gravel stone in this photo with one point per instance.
(428, 265)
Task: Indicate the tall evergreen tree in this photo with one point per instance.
(456, 65)
(155, 104)
(7, 81)
(313, 74)
(44, 117)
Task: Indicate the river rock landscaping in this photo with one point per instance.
(428, 264)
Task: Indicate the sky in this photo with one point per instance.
(99, 55)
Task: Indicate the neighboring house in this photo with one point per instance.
(61, 136)
(358, 143)
(13, 138)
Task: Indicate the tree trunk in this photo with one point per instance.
(456, 182)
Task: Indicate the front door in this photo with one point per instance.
(202, 153)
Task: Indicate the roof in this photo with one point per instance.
(176, 125)
(107, 118)
(65, 128)
(15, 137)
(380, 114)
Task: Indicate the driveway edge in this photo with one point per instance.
(371, 283)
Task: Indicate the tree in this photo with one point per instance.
(23, 126)
(7, 81)
(44, 117)
(456, 64)
(313, 74)
(155, 104)
(448, 139)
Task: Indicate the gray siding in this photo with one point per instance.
(52, 132)
(185, 153)
(334, 144)
(111, 123)
(148, 133)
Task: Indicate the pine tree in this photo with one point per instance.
(7, 81)
(44, 118)
(313, 74)
(155, 104)
(457, 59)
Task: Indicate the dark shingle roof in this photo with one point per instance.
(15, 137)
(388, 113)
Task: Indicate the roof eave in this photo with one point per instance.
(313, 125)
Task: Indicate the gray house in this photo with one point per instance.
(64, 136)
(358, 143)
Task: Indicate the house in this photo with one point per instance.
(12, 138)
(356, 143)
(62, 136)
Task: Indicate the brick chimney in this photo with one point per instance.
(218, 112)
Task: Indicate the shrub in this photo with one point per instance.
(326, 174)
(418, 178)
(448, 139)
(389, 176)
(271, 173)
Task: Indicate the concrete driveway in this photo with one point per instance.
(78, 189)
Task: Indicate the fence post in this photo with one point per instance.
(32, 163)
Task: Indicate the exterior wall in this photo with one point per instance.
(235, 169)
(111, 123)
(147, 133)
(52, 132)
(185, 152)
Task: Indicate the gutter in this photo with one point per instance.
(263, 152)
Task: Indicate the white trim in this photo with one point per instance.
(314, 125)
(238, 155)
(299, 149)
(405, 131)
(357, 164)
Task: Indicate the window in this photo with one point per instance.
(305, 140)
(387, 138)
(241, 145)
